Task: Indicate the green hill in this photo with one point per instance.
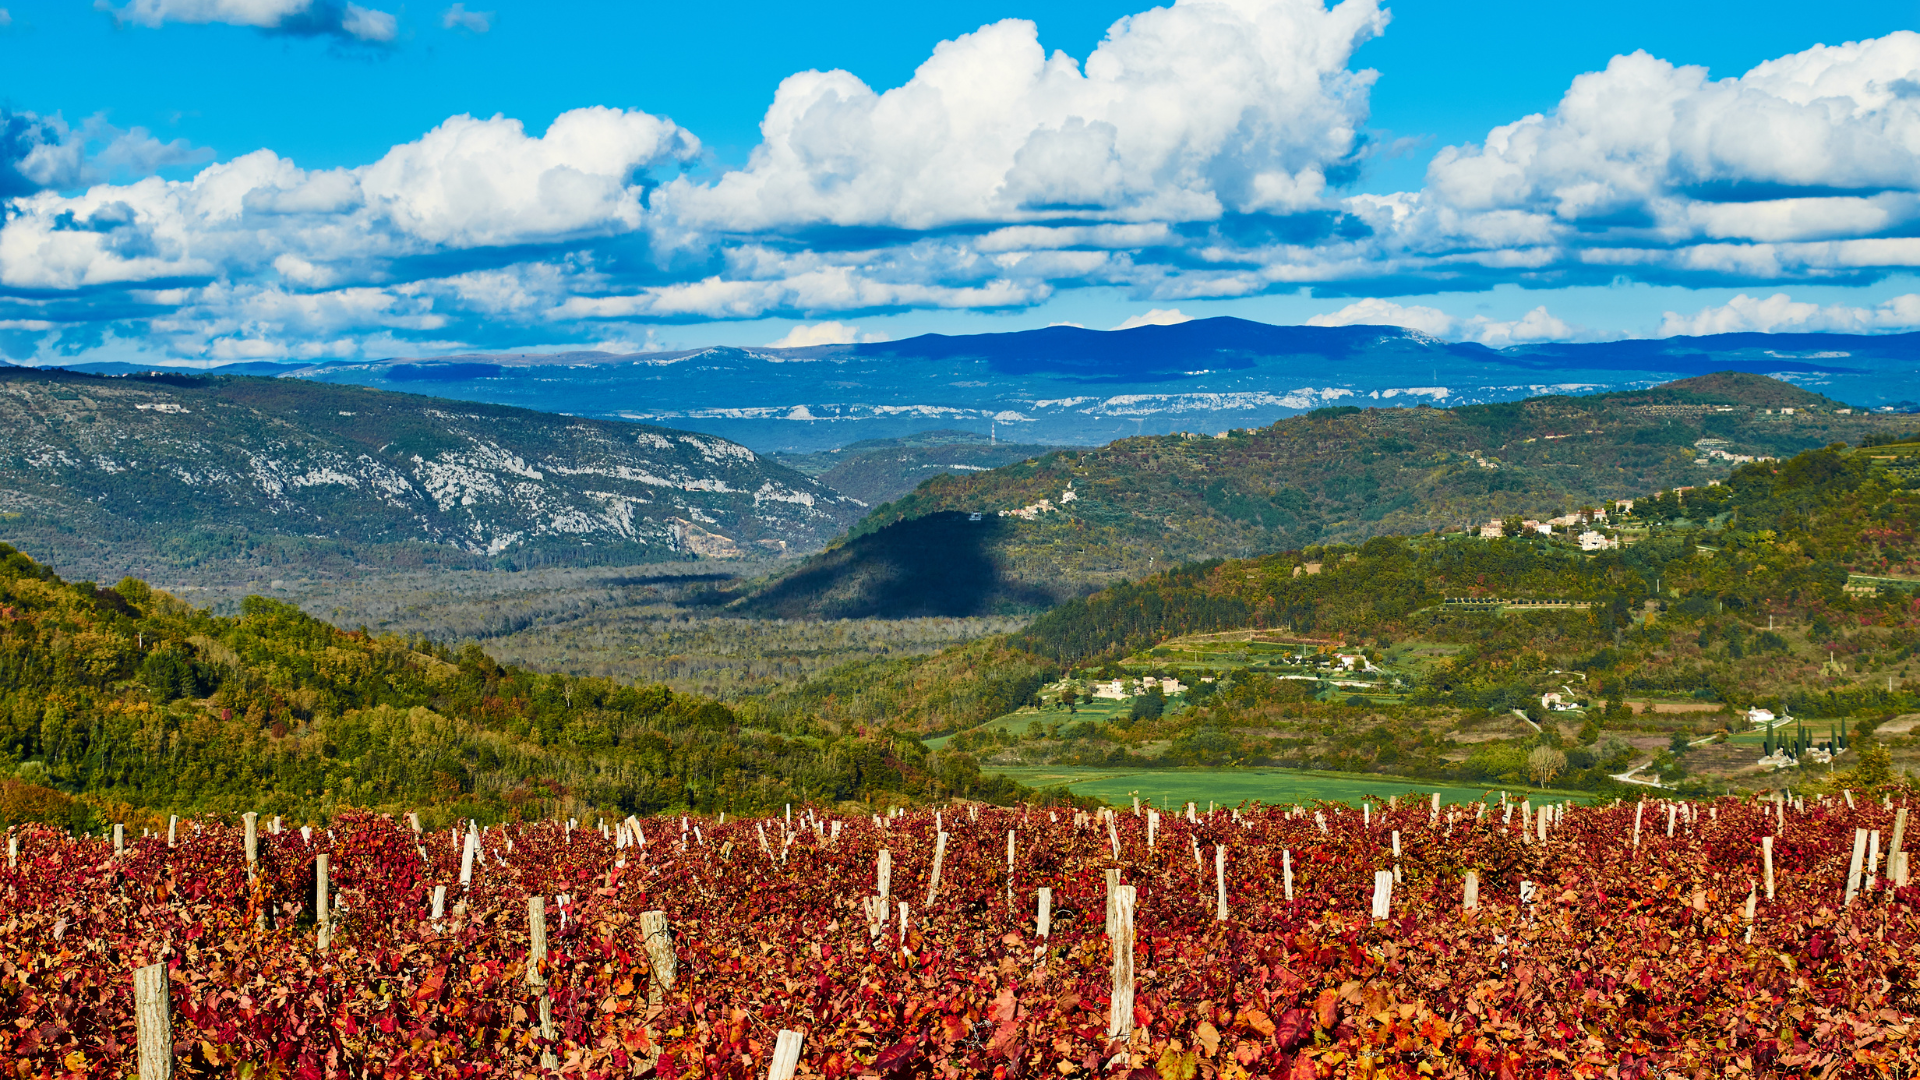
(878, 470)
(1081, 519)
(1790, 587)
(127, 696)
(146, 475)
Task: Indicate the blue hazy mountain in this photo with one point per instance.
(1068, 385)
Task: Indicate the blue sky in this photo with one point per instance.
(207, 180)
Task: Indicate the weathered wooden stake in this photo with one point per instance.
(466, 857)
(1286, 873)
(1220, 883)
(939, 856)
(1470, 893)
(1009, 868)
(413, 819)
(786, 1055)
(1113, 887)
(13, 853)
(173, 826)
(1897, 866)
(1382, 893)
(1043, 918)
(883, 874)
(1153, 826)
(1113, 836)
(661, 960)
(1873, 860)
(119, 838)
(1899, 837)
(1766, 862)
(875, 909)
(153, 1022)
(1751, 898)
(1639, 808)
(320, 913)
(537, 933)
(1120, 1016)
(903, 923)
(439, 904)
(1859, 860)
(1396, 856)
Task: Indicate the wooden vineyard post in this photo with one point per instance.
(1220, 883)
(1043, 918)
(1853, 868)
(1897, 869)
(1009, 868)
(320, 913)
(1899, 838)
(1153, 826)
(939, 856)
(903, 924)
(173, 828)
(251, 846)
(786, 1055)
(413, 819)
(661, 960)
(1470, 892)
(883, 874)
(13, 853)
(1113, 887)
(875, 909)
(439, 905)
(1286, 873)
(153, 1022)
(537, 935)
(1382, 893)
(1639, 808)
(1396, 856)
(1120, 1016)
(1751, 897)
(1766, 862)
(536, 973)
(119, 839)
(466, 856)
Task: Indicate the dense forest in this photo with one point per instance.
(128, 696)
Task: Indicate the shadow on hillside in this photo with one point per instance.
(939, 565)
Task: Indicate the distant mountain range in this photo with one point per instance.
(1067, 385)
(108, 476)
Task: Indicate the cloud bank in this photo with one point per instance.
(1203, 150)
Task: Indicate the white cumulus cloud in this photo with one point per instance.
(826, 333)
(1535, 326)
(1182, 113)
(1155, 317)
(1780, 313)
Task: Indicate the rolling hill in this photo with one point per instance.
(879, 470)
(107, 477)
(1076, 520)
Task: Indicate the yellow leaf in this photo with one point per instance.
(75, 1062)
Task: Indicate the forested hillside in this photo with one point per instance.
(877, 470)
(1340, 475)
(1788, 587)
(129, 696)
(162, 474)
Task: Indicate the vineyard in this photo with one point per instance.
(1511, 940)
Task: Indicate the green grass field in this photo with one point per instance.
(1230, 787)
